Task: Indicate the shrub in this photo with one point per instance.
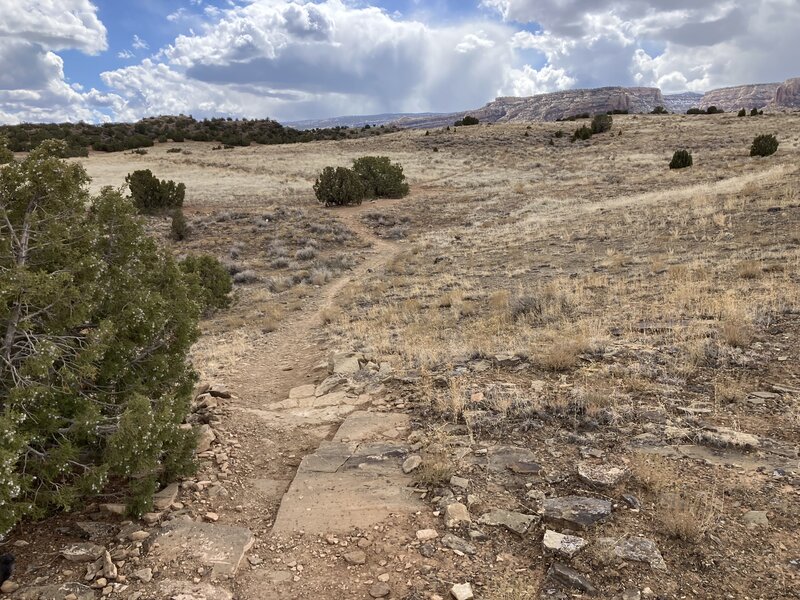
(339, 187)
(764, 145)
(467, 121)
(380, 177)
(659, 110)
(139, 151)
(6, 155)
(681, 159)
(755, 112)
(97, 322)
(695, 111)
(559, 134)
(582, 133)
(152, 195)
(602, 123)
(174, 150)
(179, 229)
(713, 110)
(245, 277)
(212, 278)
(742, 113)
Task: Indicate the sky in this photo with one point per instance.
(121, 60)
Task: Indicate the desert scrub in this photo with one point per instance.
(764, 145)
(681, 159)
(213, 279)
(151, 194)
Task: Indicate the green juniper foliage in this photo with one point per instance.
(339, 187)
(95, 325)
(582, 133)
(380, 177)
(681, 159)
(467, 121)
(179, 228)
(764, 145)
(6, 155)
(602, 123)
(213, 279)
(151, 194)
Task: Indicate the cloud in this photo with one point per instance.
(673, 44)
(300, 59)
(32, 82)
(139, 44)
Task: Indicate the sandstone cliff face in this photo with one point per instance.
(787, 94)
(680, 103)
(743, 96)
(550, 107)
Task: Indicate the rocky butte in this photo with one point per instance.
(743, 96)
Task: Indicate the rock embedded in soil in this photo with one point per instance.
(164, 499)
(568, 577)
(84, 552)
(576, 511)
(205, 437)
(220, 547)
(756, 518)
(457, 544)
(602, 476)
(640, 549)
(411, 463)
(9, 587)
(356, 557)
(345, 363)
(459, 482)
(425, 535)
(563, 545)
(462, 591)
(380, 590)
(456, 515)
(513, 521)
(144, 575)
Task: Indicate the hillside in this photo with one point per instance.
(114, 137)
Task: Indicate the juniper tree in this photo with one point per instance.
(95, 325)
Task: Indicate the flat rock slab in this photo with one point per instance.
(641, 549)
(83, 552)
(568, 577)
(363, 426)
(601, 475)
(57, 591)
(458, 544)
(186, 590)
(513, 521)
(576, 511)
(220, 547)
(563, 545)
(350, 484)
(301, 417)
(517, 460)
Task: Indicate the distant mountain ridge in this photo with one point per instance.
(563, 104)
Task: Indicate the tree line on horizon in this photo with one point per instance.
(115, 137)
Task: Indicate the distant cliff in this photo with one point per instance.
(787, 95)
(680, 103)
(743, 96)
(550, 107)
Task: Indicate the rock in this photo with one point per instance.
(113, 509)
(425, 535)
(576, 511)
(211, 517)
(303, 391)
(513, 521)
(219, 391)
(457, 544)
(109, 568)
(346, 363)
(640, 549)
(164, 499)
(58, 591)
(602, 476)
(380, 590)
(724, 437)
(254, 560)
(356, 557)
(632, 501)
(563, 545)
(329, 385)
(788, 94)
(411, 463)
(550, 106)
(138, 536)
(459, 482)
(95, 530)
(456, 514)
(170, 589)
(9, 587)
(84, 552)
(427, 550)
(205, 437)
(145, 575)
(518, 460)
(220, 547)
(462, 591)
(562, 574)
(741, 96)
(756, 518)
(631, 594)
